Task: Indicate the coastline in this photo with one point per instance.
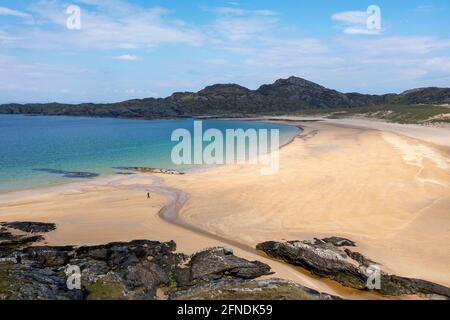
(107, 170)
(410, 214)
(169, 217)
(437, 135)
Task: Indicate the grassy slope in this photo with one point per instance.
(420, 114)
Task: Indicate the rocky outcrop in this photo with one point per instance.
(283, 96)
(152, 170)
(70, 174)
(16, 235)
(32, 227)
(340, 242)
(136, 270)
(327, 259)
(270, 289)
(218, 263)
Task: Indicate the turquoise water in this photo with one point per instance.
(95, 145)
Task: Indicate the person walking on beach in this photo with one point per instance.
(148, 195)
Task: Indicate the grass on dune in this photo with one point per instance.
(420, 114)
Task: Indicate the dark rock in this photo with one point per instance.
(217, 263)
(70, 174)
(340, 242)
(119, 270)
(358, 257)
(22, 282)
(395, 285)
(137, 269)
(271, 289)
(49, 256)
(322, 259)
(95, 252)
(5, 235)
(20, 241)
(146, 275)
(10, 242)
(33, 227)
(153, 170)
(328, 260)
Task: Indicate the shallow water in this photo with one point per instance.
(39, 151)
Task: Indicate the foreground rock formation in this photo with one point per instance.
(327, 258)
(134, 270)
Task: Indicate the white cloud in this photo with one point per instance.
(361, 31)
(249, 47)
(351, 17)
(441, 63)
(127, 57)
(234, 24)
(10, 12)
(229, 11)
(290, 52)
(354, 23)
(110, 25)
(404, 45)
(241, 29)
(7, 39)
(429, 8)
(436, 68)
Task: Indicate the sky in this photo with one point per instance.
(113, 50)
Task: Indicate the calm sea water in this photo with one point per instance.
(96, 145)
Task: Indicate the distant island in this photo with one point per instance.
(284, 96)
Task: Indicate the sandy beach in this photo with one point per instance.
(387, 188)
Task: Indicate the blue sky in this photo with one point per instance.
(137, 49)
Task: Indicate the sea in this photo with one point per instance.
(42, 151)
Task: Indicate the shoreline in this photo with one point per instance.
(173, 212)
(439, 136)
(177, 231)
(343, 233)
(204, 167)
(170, 211)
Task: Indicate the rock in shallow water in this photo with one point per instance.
(152, 170)
(70, 174)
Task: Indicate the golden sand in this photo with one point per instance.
(388, 192)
